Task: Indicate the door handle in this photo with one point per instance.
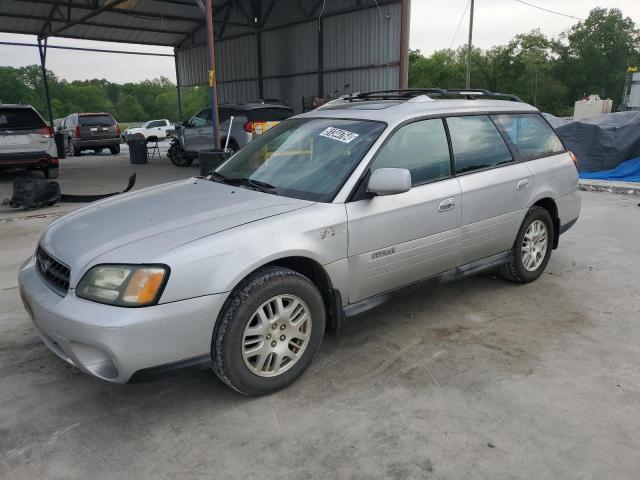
(523, 184)
(446, 205)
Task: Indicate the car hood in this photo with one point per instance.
(138, 226)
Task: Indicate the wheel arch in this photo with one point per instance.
(550, 206)
(315, 272)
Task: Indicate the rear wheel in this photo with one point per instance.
(269, 331)
(76, 151)
(532, 248)
(50, 172)
(115, 149)
(98, 150)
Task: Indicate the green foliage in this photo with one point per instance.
(552, 74)
(131, 102)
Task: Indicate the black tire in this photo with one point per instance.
(98, 150)
(514, 269)
(50, 172)
(258, 288)
(76, 151)
(115, 149)
(177, 157)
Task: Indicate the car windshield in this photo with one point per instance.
(307, 158)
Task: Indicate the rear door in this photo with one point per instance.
(495, 188)
(399, 239)
(97, 126)
(22, 130)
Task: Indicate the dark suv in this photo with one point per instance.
(26, 141)
(91, 131)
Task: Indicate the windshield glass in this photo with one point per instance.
(20, 119)
(96, 120)
(307, 158)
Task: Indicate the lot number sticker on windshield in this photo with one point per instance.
(334, 133)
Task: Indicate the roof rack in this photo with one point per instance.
(434, 93)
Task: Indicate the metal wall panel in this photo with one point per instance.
(290, 90)
(290, 50)
(361, 49)
(361, 80)
(362, 38)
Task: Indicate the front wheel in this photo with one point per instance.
(532, 248)
(177, 156)
(269, 331)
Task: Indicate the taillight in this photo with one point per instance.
(54, 161)
(118, 129)
(574, 159)
(46, 132)
(248, 127)
(78, 131)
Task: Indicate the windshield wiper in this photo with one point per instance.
(255, 184)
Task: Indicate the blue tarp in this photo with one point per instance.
(628, 171)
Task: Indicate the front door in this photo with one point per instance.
(198, 135)
(399, 239)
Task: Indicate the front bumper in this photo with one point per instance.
(113, 343)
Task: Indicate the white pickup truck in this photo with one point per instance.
(153, 128)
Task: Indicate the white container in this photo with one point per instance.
(591, 107)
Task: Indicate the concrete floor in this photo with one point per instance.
(474, 379)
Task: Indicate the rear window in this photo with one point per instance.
(20, 119)
(96, 120)
(530, 134)
(268, 114)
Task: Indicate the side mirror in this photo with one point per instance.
(389, 181)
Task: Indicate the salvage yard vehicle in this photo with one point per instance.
(26, 141)
(151, 129)
(249, 121)
(313, 221)
(91, 131)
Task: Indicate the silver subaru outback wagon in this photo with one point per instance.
(246, 269)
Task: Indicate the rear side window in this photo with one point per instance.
(20, 119)
(476, 143)
(530, 134)
(268, 114)
(421, 147)
(96, 120)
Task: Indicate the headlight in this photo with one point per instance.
(124, 285)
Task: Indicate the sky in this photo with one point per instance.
(433, 25)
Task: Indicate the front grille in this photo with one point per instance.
(55, 273)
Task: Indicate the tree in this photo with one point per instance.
(597, 52)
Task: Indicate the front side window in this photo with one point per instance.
(202, 118)
(421, 147)
(530, 135)
(307, 158)
(476, 143)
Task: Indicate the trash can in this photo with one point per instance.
(59, 139)
(137, 150)
(209, 160)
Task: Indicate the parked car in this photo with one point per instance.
(91, 131)
(249, 120)
(318, 218)
(152, 129)
(26, 141)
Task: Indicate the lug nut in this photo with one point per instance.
(283, 326)
(282, 337)
(273, 344)
(268, 336)
(274, 326)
